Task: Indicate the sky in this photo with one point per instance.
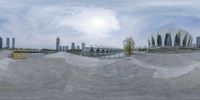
(37, 23)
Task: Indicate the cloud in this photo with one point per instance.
(140, 19)
(37, 23)
(76, 23)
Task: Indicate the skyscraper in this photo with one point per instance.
(1, 43)
(60, 48)
(7, 42)
(58, 44)
(13, 43)
(78, 47)
(73, 46)
(198, 42)
(82, 45)
(63, 48)
(66, 47)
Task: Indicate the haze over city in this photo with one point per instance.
(37, 23)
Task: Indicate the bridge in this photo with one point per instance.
(100, 51)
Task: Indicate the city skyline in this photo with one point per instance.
(37, 23)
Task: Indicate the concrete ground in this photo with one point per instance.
(64, 76)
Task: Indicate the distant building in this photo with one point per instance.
(60, 48)
(194, 45)
(58, 43)
(13, 43)
(63, 48)
(198, 42)
(73, 46)
(78, 47)
(66, 48)
(7, 42)
(172, 37)
(1, 43)
(82, 45)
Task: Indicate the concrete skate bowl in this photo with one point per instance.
(172, 50)
(125, 80)
(55, 78)
(29, 77)
(5, 54)
(169, 65)
(80, 60)
(169, 60)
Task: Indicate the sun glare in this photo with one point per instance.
(98, 22)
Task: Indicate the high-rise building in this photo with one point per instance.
(7, 42)
(73, 46)
(78, 47)
(63, 48)
(67, 48)
(60, 48)
(1, 43)
(13, 43)
(82, 45)
(58, 44)
(198, 42)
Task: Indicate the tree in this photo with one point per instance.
(129, 45)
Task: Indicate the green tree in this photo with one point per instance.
(129, 45)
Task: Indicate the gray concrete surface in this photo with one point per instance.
(65, 76)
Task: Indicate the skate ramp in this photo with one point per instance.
(80, 60)
(128, 78)
(5, 54)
